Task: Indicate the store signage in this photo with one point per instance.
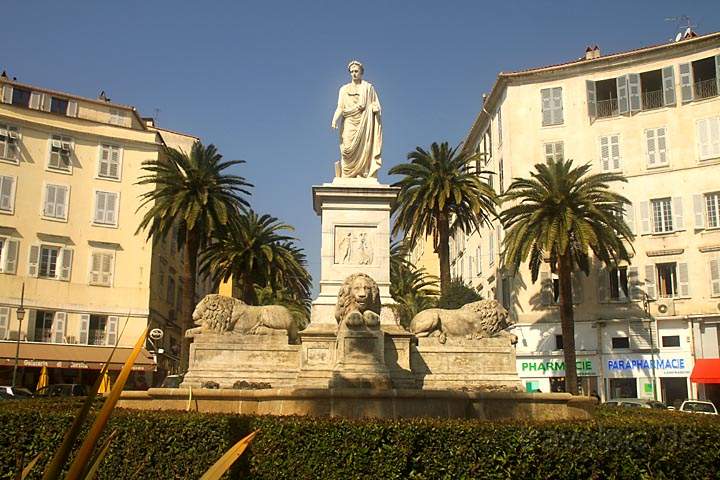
(645, 364)
(553, 368)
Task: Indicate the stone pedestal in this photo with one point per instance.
(228, 358)
(360, 360)
(486, 363)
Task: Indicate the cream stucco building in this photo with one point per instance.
(652, 114)
(68, 217)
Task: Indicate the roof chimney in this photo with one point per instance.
(592, 52)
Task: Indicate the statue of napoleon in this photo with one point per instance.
(361, 129)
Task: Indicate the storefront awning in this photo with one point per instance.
(707, 370)
(58, 355)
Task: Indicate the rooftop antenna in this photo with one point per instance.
(683, 25)
(157, 116)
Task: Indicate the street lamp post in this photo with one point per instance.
(646, 305)
(20, 315)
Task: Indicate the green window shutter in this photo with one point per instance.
(605, 153)
(33, 260)
(591, 98)
(72, 108)
(699, 211)
(35, 100)
(546, 106)
(677, 211)
(32, 320)
(4, 322)
(84, 327)
(717, 73)
(95, 266)
(644, 217)
(651, 147)
(13, 246)
(715, 276)
(668, 80)
(650, 280)
(112, 328)
(629, 216)
(686, 82)
(107, 269)
(615, 151)
(622, 92)
(65, 270)
(634, 92)
(683, 279)
(58, 327)
(557, 106)
(660, 136)
(546, 288)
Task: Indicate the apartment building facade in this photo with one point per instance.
(652, 114)
(69, 252)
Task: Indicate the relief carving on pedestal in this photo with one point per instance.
(354, 245)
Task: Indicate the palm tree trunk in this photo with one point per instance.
(188, 299)
(248, 291)
(567, 322)
(443, 250)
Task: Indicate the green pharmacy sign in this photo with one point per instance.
(556, 367)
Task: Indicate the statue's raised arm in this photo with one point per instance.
(359, 111)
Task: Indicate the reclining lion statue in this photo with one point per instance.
(221, 314)
(481, 319)
(358, 302)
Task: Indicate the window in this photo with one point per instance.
(491, 247)
(60, 153)
(656, 147)
(59, 105)
(56, 201)
(619, 283)
(671, 340)
(8, 254)
(620, 342)
(610, 152)
(552, 107)
(7, 194)
(712, 207)
(117, 117)
(20, 97)
(651, 86)
(715, 276)
(667, 279)
(631, 93)
(101, 268)
(558, 342)
(554, 151)
(106, 208)
(478, 260)
(699, 79)
(662, 215)
(50, 261)
(556, 288)
(43, 326)
(97, 329)
(708, 138)
(606, 98)
(109, 164)
(9, 138)
(170, 290)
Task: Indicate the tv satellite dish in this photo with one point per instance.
(688, 31)
(678, 36)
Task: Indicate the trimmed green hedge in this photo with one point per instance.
(619, 443)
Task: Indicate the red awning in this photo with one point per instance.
(707, 370)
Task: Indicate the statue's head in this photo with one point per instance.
(359, 292)
(356, 70)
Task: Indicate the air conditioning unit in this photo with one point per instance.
(664, 307)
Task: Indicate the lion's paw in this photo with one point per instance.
(354, 319)
(372, 319)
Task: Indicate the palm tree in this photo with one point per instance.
(413, 289)
(195, 192)
(441, 193)
(562, 213)
(255, 253)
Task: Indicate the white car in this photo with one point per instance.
(698, 406)
(14, 392)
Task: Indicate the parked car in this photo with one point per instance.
(635, 403)
(15, 393)
(698, 406)
(63, 390)
(172, 381)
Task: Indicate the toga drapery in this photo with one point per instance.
(361, 131)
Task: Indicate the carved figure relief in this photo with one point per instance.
(354, 245)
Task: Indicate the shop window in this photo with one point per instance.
(623, 388)
(671, 340)
(620, 342)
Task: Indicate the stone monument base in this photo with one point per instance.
(486, 364)
(229, 358)
(360, 361)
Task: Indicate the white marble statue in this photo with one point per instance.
(361, 129)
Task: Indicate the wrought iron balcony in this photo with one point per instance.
(706, 88)
(652, 100)
(607, 108)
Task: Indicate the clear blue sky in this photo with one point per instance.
(260, 79)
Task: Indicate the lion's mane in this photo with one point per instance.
(346, 302)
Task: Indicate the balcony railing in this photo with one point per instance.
(607, 108)
(96, 337)
(706, 88)
(43, 335)
(652, 100)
